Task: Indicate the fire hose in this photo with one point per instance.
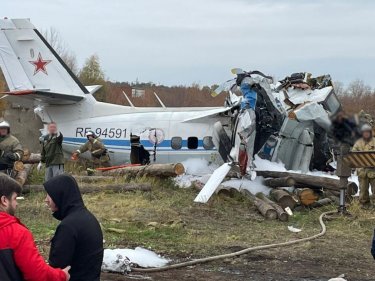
(242, 252)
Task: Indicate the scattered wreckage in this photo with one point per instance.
(291, 124)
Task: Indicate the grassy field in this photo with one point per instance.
(167, 221)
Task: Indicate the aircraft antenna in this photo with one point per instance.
(127, 98)
(161, 103)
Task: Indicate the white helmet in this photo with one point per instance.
(366, 127)
(90, 133)
(4, 124)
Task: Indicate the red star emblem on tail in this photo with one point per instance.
(40, 64)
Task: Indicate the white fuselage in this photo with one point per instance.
(180, 133)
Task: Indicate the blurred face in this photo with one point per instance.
(3, 132)
(9, 205)
(52, 128)
(90, 138)
(50, 204)
(366, 134)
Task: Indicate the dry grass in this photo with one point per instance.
(168, 221)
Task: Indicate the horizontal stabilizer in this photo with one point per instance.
(47, 97)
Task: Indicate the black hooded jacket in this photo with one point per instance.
(78, 239)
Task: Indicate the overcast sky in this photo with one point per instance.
(181, 42)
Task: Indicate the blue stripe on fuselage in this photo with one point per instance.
(125, 144)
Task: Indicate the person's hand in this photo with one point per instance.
(39, 167)
(66, 271)
(74, 156)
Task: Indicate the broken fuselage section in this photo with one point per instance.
(293, 119)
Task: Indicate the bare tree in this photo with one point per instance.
(358, 89)
(53, 37)
(339, 88)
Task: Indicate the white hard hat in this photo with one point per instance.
(366, 128)
(4, 124)
(90, 133)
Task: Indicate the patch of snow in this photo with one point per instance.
(339, 278)
(185, 181)
(294, 229)
(194, 166)
(254, 186)
(266, 165)
(198, 170)
(116, 260)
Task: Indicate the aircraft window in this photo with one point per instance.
(176, 143)
(192, 142)
(208, 143)
(332, 103)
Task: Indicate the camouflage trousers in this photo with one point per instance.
(99, 162)
(364, 185)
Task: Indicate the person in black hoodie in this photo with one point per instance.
(78, 240)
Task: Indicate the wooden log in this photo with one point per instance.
(281, 214)
(226, 191)
(264, 208)
(18, 166)
(26, 154)
(157, 170)
(34, 158)
(283, 198)
(279, 182)
(22, 175)
(308, 180)
(352, 188)
(306, 196)
(321, 203)
(85, 189)
(92, 179)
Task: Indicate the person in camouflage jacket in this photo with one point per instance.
(10, 148)
(366, 176)
(99, 153)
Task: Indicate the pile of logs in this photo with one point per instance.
(293, 191)
(103, 179)
(309, 190)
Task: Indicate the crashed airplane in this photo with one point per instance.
(290, 125)
(287, 121)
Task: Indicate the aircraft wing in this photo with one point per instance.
(207, 114)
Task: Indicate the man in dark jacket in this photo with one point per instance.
(78, 239)
(52, 152)
(19, 256)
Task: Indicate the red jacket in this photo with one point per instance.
(17, 237)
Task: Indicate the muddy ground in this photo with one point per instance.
(275, 265)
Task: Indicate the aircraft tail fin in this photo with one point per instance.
(29, 63)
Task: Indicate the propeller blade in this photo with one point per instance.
(213, 183)
(237, 71)
(223, 87)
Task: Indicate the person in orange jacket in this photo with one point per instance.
(20, 259)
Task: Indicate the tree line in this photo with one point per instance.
(356, 96)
